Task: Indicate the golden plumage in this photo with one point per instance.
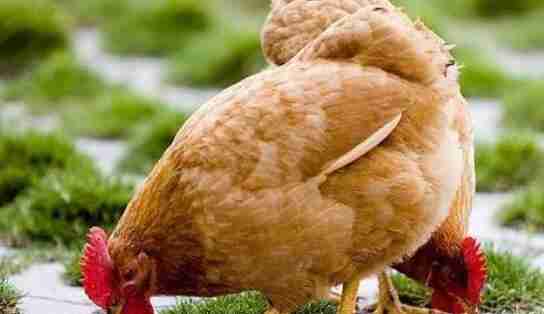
(242, 199)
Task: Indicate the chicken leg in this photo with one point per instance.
(349, 295)
(272, 310)
(389, 302)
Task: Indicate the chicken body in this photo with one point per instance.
(240, 200)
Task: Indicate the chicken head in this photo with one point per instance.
(123, 289)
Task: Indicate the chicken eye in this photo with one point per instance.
(447, 272)
(128, 275)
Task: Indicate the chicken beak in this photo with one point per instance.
(115, 309)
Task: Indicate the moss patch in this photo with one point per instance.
(493, 8)
(113, 115)
(513, 286)
(156, 27)
(526, 209)
(88, 105)
(92, 12)
(72, 270)
(63, 205)
(148, 143)
(481, 76)
(410, 291)
(60, 80)
(25, 157)
(524, 106)
(245, 303)
(221, 58)
(30, 30)
(513, 161)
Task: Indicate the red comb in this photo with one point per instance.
(97, 269)
(476, 266)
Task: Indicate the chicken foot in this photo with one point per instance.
(389, 302)
(272, 310)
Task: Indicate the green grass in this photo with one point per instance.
(156, 27)
(494, 8)
(220, 58)
(257, 6)
(113, 115)
(481, 76)
(88, 105)
(513, 286)
(72, 270)
(245, 303)
(60, 80)
(513, 161)
(523, 33)
(30, 30)
(63, 205)
(526, 209)
(9, 298)
(410, 291)
(524, 106)
(148, 143)
(92, 12)
(25, 157)
(435, 14)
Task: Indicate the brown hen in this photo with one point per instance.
(344, 159)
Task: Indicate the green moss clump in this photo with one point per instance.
(63, 205)
(526, 209)
(435, 14)
(9, 298)
(245, 303)
(114, 115)
(220, 58)
(13, 181)
(26, 157)
(61, 79)
(513, 161)
(148, 143)
(493, 8)
(157, 27)
(410, 291)
(512, 286)
(524, 106)
(480, 75)
(72, 270)
(30, 30)
(91, 12)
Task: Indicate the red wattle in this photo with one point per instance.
(445, 303)
(138, 305)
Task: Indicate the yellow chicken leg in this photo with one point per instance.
(349, 295)
(272, 311)
(389, 303)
